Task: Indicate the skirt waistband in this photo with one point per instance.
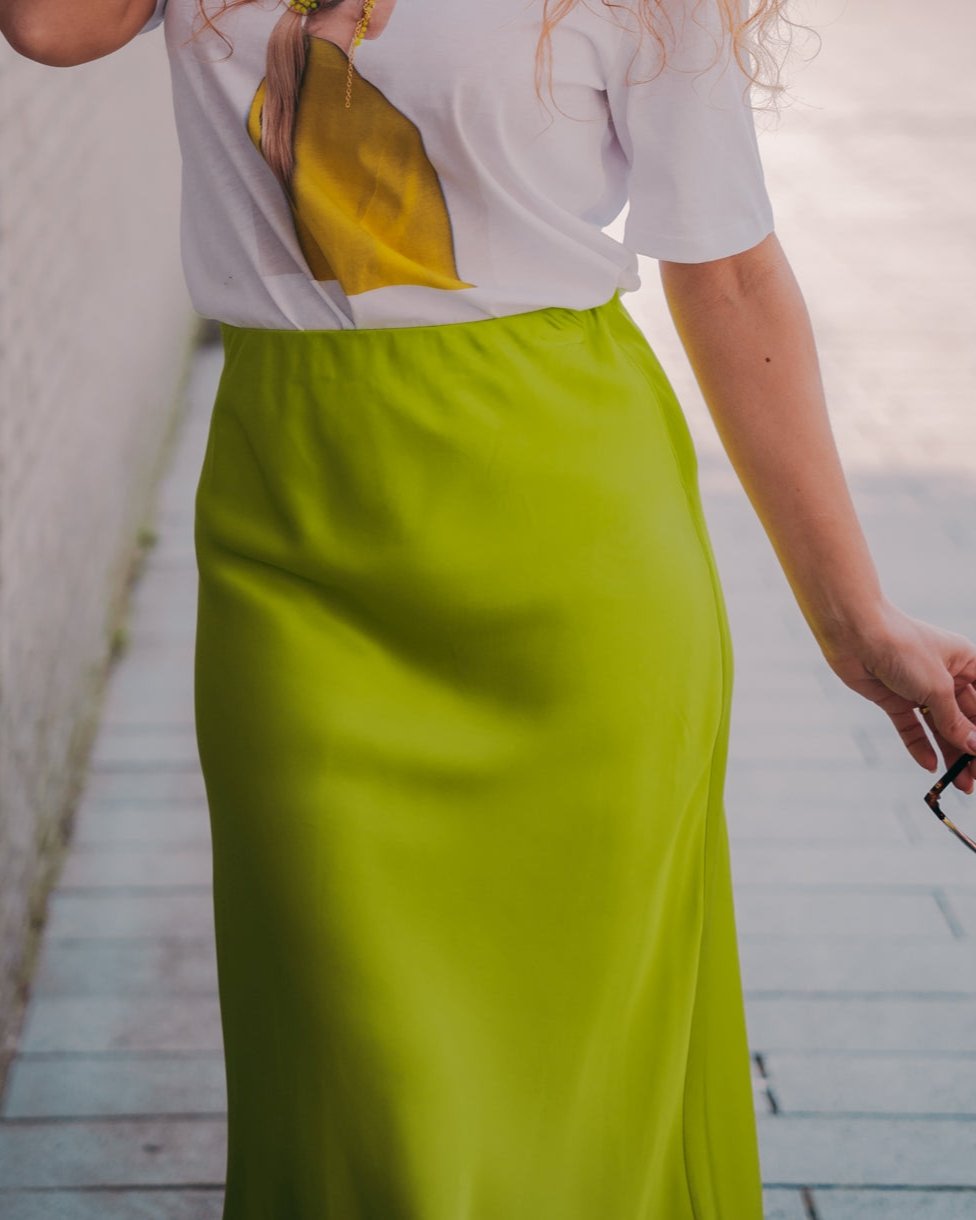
(552, 323)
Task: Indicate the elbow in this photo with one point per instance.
(725, 279)
(36, 40)
(41, 50)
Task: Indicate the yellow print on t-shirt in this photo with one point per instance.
(367, 203)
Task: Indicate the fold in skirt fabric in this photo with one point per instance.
(462, 695)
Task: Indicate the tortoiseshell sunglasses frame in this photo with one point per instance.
(933, 794)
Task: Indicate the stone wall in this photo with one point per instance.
(96, 331)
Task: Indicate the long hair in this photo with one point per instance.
(750, 35)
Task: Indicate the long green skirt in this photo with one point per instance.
(462, 694)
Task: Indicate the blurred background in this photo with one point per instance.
(856, 909)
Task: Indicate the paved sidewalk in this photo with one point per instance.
(856, 911)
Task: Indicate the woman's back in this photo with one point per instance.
(450, 189)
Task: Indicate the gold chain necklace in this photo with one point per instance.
(358, 35)
(304, 7)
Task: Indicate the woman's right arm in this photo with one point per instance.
(62, 33)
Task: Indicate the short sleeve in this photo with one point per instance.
(156, 19)
(696, 187)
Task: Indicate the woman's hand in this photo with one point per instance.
(902, 664)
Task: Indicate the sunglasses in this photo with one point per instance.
(933, 794)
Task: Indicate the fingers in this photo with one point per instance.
(915, 739)
(929, 668)
(947, 718)
(966, 779)
(967, 701)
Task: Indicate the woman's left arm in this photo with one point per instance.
(744, 325)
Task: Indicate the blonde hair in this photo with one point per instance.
(751, 36)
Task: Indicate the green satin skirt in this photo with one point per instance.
(462, 690)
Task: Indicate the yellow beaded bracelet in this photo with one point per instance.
(303, 6)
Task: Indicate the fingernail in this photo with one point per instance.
(971, 744)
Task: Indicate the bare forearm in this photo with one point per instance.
(747, 333)
(63, 33)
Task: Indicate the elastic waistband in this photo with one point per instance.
(547, 323)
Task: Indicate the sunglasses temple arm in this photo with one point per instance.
(962, 761)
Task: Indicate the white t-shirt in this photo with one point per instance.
(447, 191)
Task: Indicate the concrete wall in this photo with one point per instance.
(95, 335)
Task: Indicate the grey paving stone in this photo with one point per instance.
(962, 900)
(130, 745)
(824, 744)
(815, 823)
(201, 1204)
(162, 608)
(163, 599)
(824, 912)
(148, 869)
(130, 700)
(113, 1152)
(802, 1151)
(174, 553)
(136, 966)
(778, 782)
(942, 861)
(120, 826)
(783, 1205)
(760, 1095)
(117, 1023)
(185, 913)
(151, 785)
(759, 691)
(80, 1086)
(881, 1024)
(175, 515)
(148, 790)
(140, 766)
(857, 965)
(921, 825)
(763, 648)
(151, 685)
(754, 710)
(741, 794)
(896, 1204)
(873, 1084)
(154, 662)
(807, 696)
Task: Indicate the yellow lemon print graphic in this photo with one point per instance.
(367, 203)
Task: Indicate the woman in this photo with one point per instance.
(463, 668)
